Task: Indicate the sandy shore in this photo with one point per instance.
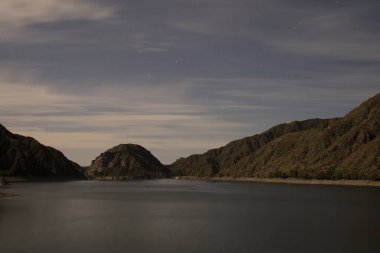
(291, 181)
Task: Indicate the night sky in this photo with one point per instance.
(180, 76)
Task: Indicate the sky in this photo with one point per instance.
(180, 76)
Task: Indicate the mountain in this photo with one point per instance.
(127, 161)
(340, 148)
(25, 157)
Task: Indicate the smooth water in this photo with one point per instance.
(188, 216)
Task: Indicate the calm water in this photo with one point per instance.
(188, 216)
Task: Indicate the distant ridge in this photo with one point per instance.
(340, 148)
(22, 156)
(127, 161)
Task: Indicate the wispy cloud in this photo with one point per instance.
(106, 117)
(179, 76)
(26, 13)
(17, 17)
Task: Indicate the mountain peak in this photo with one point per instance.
(126, 147)
(127, 161)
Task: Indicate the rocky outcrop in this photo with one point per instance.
(22, 156)
(127, 161)
(344, 148)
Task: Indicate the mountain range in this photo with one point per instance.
(338, 148)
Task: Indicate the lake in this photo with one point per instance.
(188, 216)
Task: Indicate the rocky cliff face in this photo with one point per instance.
(216, 161)
(25, 157)
(127, 161)
(347, 147)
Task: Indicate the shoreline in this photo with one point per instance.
(11, 180)
(6, 195)
(296, 181)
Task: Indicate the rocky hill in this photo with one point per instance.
(25, 157)
(127, 161)
(342, 148)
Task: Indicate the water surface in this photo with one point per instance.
(188, 216)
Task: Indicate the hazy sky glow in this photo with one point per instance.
(180, 76)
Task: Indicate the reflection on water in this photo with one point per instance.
(188, 216)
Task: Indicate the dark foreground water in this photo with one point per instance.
(188, 216)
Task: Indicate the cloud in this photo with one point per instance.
(336, 30)
(171, 120)
(340, 33)
(26, 13)
(179, 76)
(17, 17)
(157, 118)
